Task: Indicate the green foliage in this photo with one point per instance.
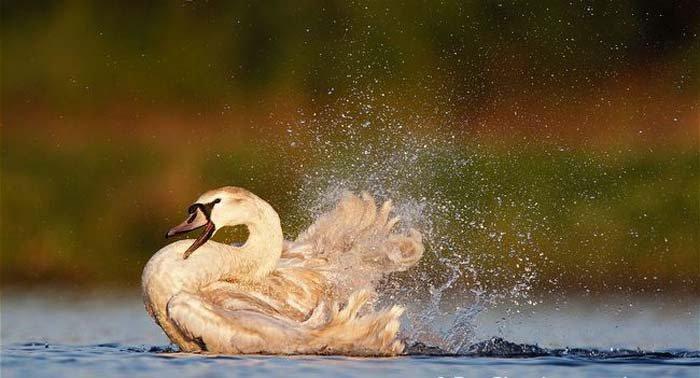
(94, 214)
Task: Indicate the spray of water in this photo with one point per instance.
(420, 161)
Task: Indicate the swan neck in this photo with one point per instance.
(261, 252)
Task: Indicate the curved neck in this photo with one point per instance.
(261, 252)
(216, 261)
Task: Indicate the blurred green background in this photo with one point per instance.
(116, 115)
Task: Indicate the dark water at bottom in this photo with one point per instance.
(103, 335)
(40, 360)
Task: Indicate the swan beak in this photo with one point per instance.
(209, 229)
(193, 222)
(196, 220)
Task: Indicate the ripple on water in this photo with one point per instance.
(494, 356)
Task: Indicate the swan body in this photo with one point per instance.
(275, 296)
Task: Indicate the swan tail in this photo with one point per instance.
(358, 242)
(370, 334)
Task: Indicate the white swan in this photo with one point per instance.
(275, 296)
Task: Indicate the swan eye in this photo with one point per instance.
(217, 201)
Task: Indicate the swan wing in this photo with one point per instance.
(228, 329)
(356, 244)
(237, 330)
(291, 292)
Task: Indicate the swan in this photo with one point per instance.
(312, 295)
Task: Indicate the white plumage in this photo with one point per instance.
(275, 296)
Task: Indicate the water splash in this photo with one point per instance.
(478, 252)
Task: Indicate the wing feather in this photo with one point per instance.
(356, 244)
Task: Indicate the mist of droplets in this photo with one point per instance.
(417, 159)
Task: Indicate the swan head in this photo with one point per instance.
(215, 209)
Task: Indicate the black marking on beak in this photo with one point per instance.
(205, 208)
(209, 226)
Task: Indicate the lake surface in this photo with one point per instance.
(60, 334)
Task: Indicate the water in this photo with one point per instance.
(62, 334)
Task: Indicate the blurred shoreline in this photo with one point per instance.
(128, 179)
(574, 128)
